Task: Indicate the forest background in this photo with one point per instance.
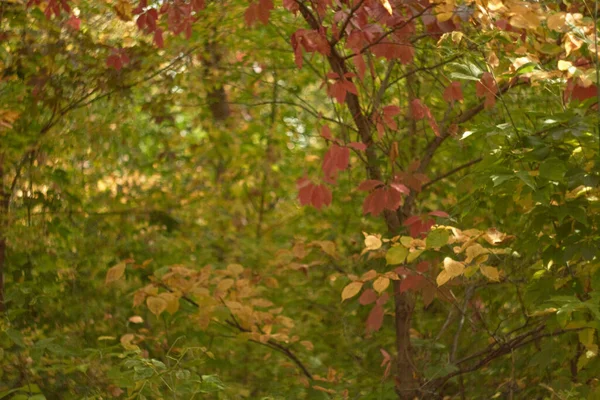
(307, 199)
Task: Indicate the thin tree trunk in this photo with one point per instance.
(407, 382)
(3, 221)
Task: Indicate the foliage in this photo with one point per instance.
(188, 189)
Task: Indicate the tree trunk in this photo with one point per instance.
(4, 199)
(407, 382)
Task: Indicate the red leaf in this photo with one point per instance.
(375, 319)
(375, 202)
(490, 101)
(440, 214)
(291, 5)
(412, 220)
(343, 158)
(432, 123)
(318, 197)
(326, 195)
(305, 189)
(74, 22)
(394, 50)
(337, 91)
(453, 93)
(258, 11)
(575, 91)
(367, 297)
(251, 14)
(349, 86)
(369, 184)
(158, 38)
(417, 109)
(383, 299)
(321, 196)
(336, 158)
(400, 188)
(417, 226)
(386, 357)
(391, 111)
(326, 132)
(358, 146)
(423, 266)
(487, 87)
(265, 7)
(114, 61)
(310, 41)
(394, 199)
(412, 282)
(361, 67)
(198, 5)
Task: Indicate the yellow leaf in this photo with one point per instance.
(126, 341)
(172, 302)
(442, 278)
(285, 321)
(156, 305)
(556, 22)
(235, 269)
(136, 319)
(392, 275)
(474, 251)
(299, 251)
(351, 290)
(322, 389)
(115, 273)
(454, 268)
(541, 313)
(381, 284)
(369, 275)
(327, 246)
(491, 273)
(124, 10)
(451, 270)
(564, 65)
(444, 10)
(494, 237)
(308, 345)
(372, 242)
(224, 285)
(524, 18)
(261, 303)
(494, 5)
(572, 43)
(386, 4)
(271, 282)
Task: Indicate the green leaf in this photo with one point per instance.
(526, 178)
(500, 179)
(412, 256)
(396, 255)
(553, 169)
(437, 238)
(526, 68)
(16, 337)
